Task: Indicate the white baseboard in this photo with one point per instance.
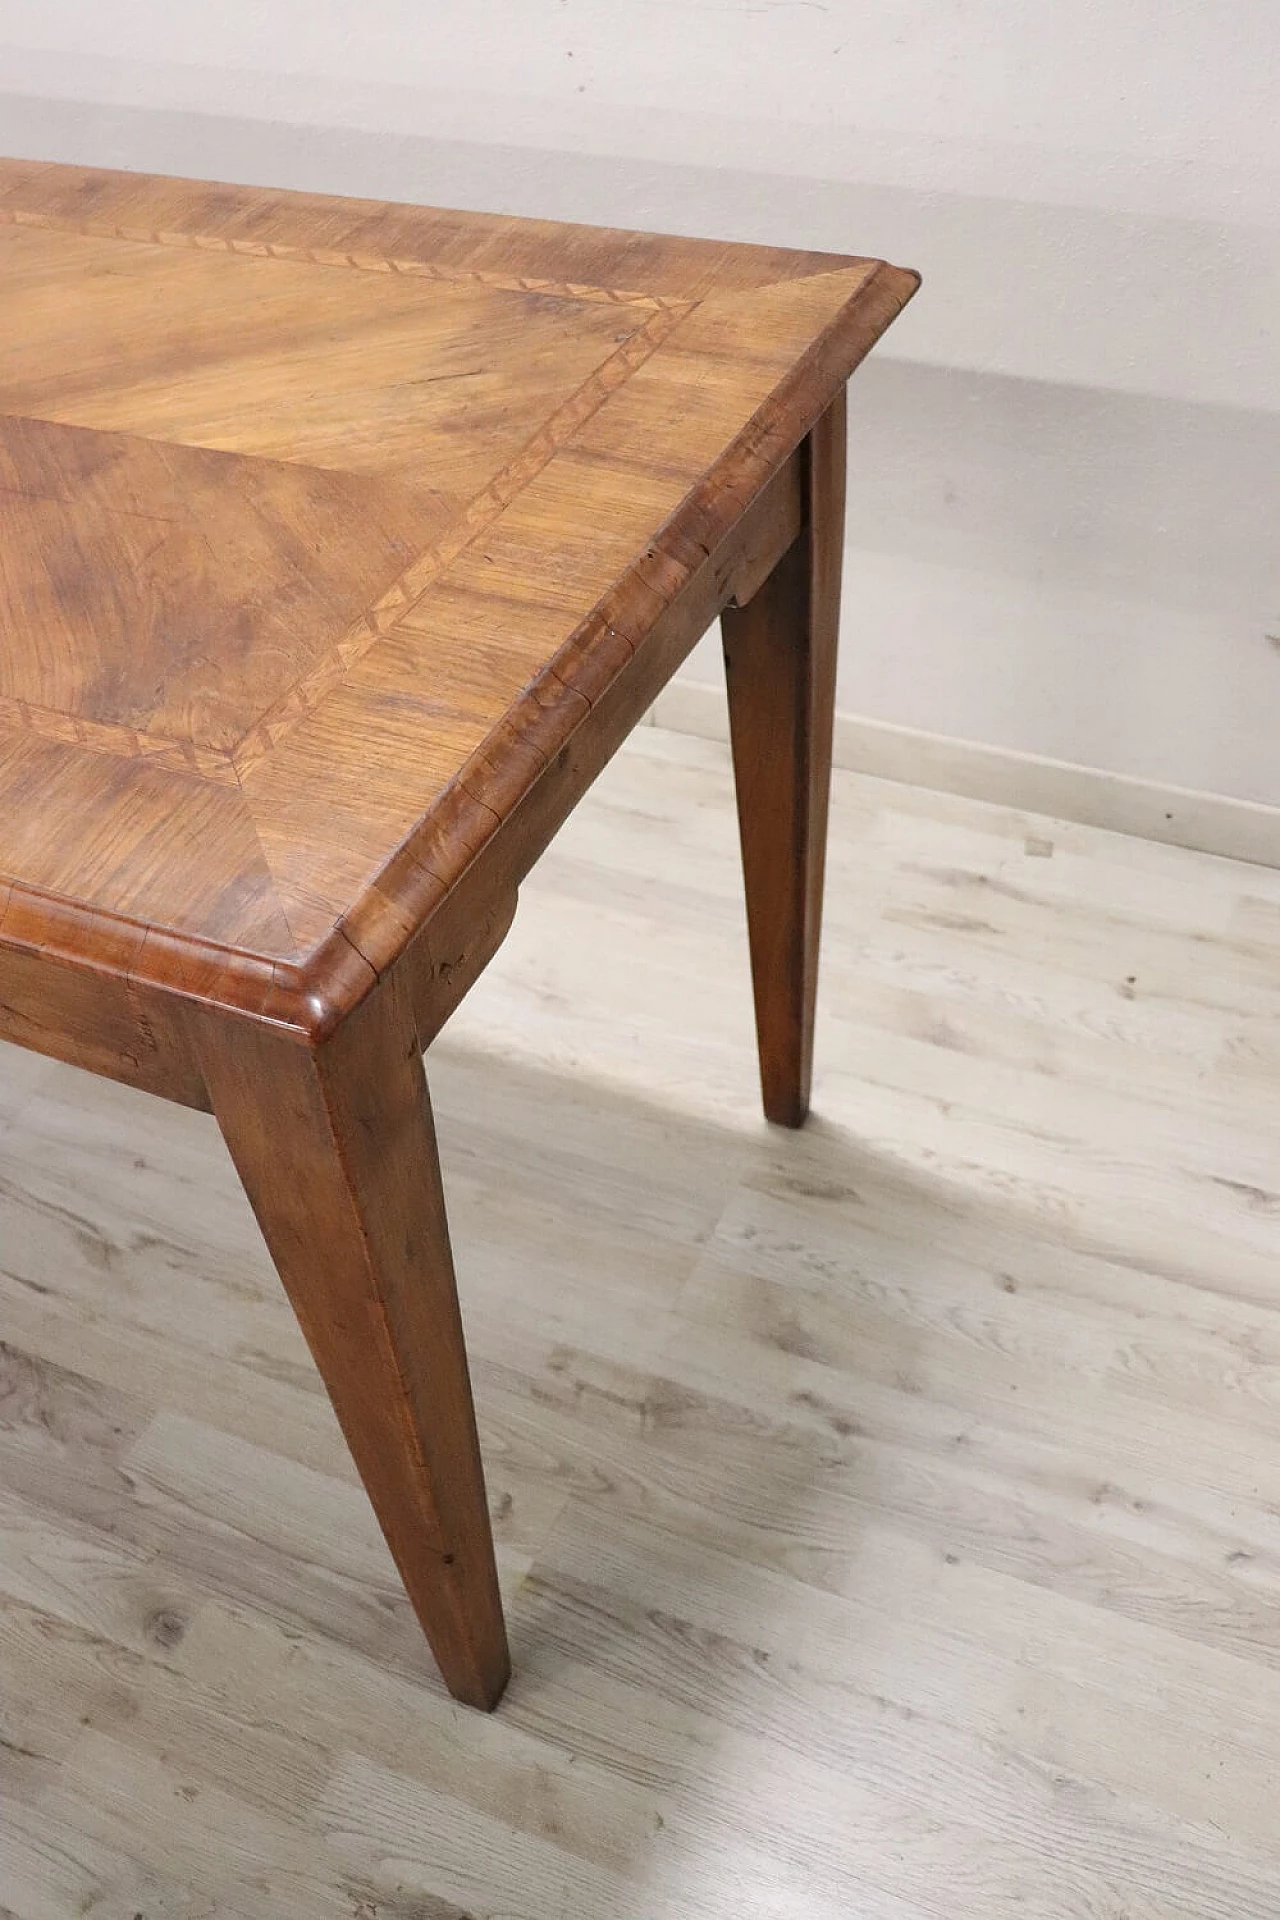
(1207, 822)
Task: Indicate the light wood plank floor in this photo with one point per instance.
(889, 1514)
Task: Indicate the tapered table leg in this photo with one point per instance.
(337, 1151)
(780, 663)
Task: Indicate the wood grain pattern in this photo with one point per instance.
(245, 436)
(780, 667)
(884, 1511)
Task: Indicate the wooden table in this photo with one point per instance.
(341, 544)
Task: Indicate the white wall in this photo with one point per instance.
(1062, 533)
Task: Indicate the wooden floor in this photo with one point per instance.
(889, 1514)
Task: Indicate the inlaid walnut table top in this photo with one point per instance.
(341, 544)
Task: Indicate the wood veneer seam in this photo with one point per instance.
(477, 517)
(363, 633)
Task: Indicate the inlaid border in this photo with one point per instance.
(339, 257)
(120, 742)
(482, 511)
(227, 765)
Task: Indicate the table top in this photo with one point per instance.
(323, 524)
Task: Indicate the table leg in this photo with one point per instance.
(780, 662)
(337, 1151)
